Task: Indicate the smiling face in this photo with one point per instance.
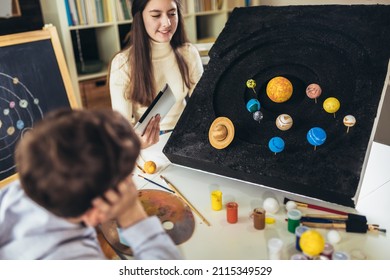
(160, 19)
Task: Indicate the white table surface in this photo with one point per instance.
(224, 241)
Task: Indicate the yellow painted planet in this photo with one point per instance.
(331, 105)
(312, 243)
(251, 83)
(279, 89)
(150, 167)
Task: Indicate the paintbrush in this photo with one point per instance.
(140, 168)
(373, 227)
(312, 206)
(348, 226)
(349, 216)
(357, 224)
(178, 193)
(157, 184)
(350, 222)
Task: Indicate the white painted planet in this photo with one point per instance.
(284, 122)
(271, 205)
(291, 205)
(349, 120)
(333, 236)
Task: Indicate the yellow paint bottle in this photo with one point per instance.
(216, 200)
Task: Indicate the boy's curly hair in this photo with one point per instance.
(73, 156)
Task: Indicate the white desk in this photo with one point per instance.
(222, 240)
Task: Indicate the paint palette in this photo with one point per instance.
(175, 216)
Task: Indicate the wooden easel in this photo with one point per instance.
(29, 39)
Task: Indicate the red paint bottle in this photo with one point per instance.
(232, 212)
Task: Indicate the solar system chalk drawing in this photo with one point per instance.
(19, 111)
(33, 81)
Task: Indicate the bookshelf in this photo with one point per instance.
(205, 19)
(27, 16)
(99, 35)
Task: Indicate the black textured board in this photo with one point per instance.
(344, 49)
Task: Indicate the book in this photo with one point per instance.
(219, 4)
(161, 105)
(99, 11)
(125, 10)
(107, 10)
(92, 13)
(68, 14)
(73, 12)
(119, 10)
(81, 12)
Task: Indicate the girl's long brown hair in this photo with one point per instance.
(142, 88)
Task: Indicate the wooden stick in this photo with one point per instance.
(140, 168)
(185, 200)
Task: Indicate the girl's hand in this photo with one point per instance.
(151, 134)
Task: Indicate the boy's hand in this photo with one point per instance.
(122, 205)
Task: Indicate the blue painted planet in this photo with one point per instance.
(20, 124)
(253, 105)
(276, 144)
(316, 136)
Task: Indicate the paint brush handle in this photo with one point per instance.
(185, 200)
(325, 225)
(312, 206)
(157, 184)
(140, 168)
(326, 216)
(317, 220)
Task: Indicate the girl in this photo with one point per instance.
(158, 53)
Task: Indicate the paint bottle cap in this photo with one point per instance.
(338, 255)
(294, 214)
(275, 246)
(298, 257)
(356, 254)
(328, 250)
(320, 258)
(300, 229)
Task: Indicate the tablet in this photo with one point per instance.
(160, 105)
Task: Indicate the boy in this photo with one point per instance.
(75, 172)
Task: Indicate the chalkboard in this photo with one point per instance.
(33, 80)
